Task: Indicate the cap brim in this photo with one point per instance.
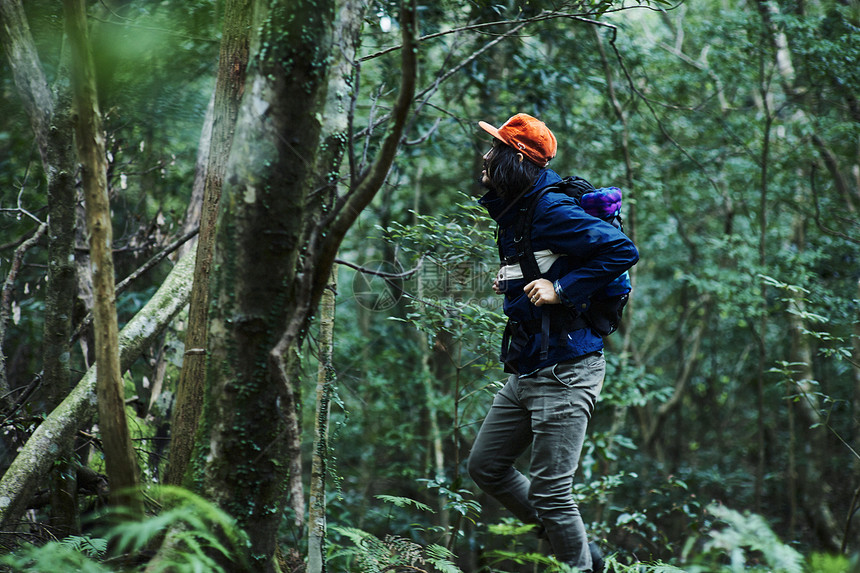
(490, 129)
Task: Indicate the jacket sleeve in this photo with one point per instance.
(597, 252)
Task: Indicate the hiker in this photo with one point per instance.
(555, 359)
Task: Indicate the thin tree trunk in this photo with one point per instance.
(325, 377)
(54, 437)
(60, 296)
(194, 211)
(54, 133)
(807, 410)
(335, 129)
(229, 87)
(120, 460)
(762, 356)
(436, 450)
(812, 487)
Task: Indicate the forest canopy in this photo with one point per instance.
(259, 219)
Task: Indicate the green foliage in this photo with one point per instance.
(721, 305)
(823, 563)
(441, 559)
(748, 543)
(400, 501)
(71, 554)
(369, 554)
(203, 531)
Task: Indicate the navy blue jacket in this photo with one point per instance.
(593, 254)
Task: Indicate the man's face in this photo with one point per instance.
(485, 178)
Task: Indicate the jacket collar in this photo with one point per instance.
(505, 213)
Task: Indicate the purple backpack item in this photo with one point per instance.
(602, 203)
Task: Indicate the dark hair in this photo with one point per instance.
(510, 176)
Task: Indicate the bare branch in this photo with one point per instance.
(123, 285)
(6, 302)
(392, 276)
(542, 17)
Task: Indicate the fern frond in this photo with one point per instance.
(404, 502)
(441, 558)
(751, 531)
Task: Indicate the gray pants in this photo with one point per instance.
(548, 410)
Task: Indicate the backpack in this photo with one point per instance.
(606, 308)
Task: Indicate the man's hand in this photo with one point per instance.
(541, 292)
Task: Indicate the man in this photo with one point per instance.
(555, 360)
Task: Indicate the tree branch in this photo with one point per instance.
(358, 198)
(27, 70)
(123, 285)
(542, 17)
(6, 303)
(56, 434)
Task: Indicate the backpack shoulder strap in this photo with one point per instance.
(523, 238)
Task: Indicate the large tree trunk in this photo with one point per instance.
(54, 437)
(229, 86)
(268, 230)
(251, 420)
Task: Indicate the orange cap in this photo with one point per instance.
(526, 134)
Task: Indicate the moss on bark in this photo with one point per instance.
(53, 438)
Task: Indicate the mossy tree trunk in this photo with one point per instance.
(120, 460)
(229, 87)
(276, 243)
(50, 118)
(58, 431)
(251, 419)
(319, 454)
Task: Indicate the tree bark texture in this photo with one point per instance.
(120, 461)
(27, 70)
(54, 135)
(251, 412)
(60, 296)
(269, 270)
(54, 437)
(325, 377)
(229, 87)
